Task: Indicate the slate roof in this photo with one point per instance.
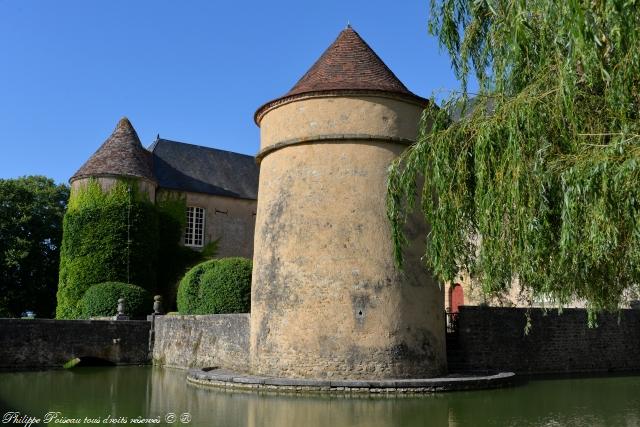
(121, 154)
(187, 167)
(349, 64)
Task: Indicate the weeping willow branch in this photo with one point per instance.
(539, 177)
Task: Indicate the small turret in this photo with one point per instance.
(120, 156)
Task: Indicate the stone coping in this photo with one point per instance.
(331, 139)
(229, 380)
(94, 321)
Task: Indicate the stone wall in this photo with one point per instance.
(43, 343)
(493, 339)
(515, 297)
(229, 220)
(202, 341)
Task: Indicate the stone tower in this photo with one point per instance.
(327, 300)
(120, 156)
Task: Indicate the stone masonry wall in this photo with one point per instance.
(493, 339)
(326, 298)
(220, 340)
(44, 343)
(229, 220)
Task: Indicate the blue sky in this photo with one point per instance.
(192, 71)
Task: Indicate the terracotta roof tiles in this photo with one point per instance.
(349, 64)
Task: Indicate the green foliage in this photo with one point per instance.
(31, 211)
(95, 247)
(227, 287)
(216, 286)
(108, 236)
(539, 179)
(4, 309)
(71, 363)
(102, 300)
(210, 250)
(189, 288)
(174, 259)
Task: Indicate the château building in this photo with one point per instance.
(220, 187)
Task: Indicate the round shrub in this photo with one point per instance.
(227, 287)
(102, 300)
(189, 288)
(216, 286)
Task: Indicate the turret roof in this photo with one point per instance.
(121, 154)
(349, 64)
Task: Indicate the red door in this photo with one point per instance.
(456, 297)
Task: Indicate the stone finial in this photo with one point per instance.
(157, 305)
(121, 315)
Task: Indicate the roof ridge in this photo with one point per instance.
(188, 167)
(199, 146)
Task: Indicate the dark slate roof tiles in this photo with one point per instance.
(187, 167)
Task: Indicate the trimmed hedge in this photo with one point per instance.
(189, 288)
(216, 286)
(94, 244)
(102, 300)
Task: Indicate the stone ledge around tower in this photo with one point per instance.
(228, 380)
(332, 139)
(312, 118)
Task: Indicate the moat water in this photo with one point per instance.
(133, 395)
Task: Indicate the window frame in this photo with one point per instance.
(191, 234)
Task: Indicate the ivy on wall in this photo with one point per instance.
(120, 236)
(107, 236)
(173, 259)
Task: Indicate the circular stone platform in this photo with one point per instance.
(233, 381)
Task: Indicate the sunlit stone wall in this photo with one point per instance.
(216, 340)
(327, 300)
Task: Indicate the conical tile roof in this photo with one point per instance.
(349, 64)
(121, 154)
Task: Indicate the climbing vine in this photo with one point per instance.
(108, 236)
(536, 177)
(173, 259)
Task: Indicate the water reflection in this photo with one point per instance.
(153, 392)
